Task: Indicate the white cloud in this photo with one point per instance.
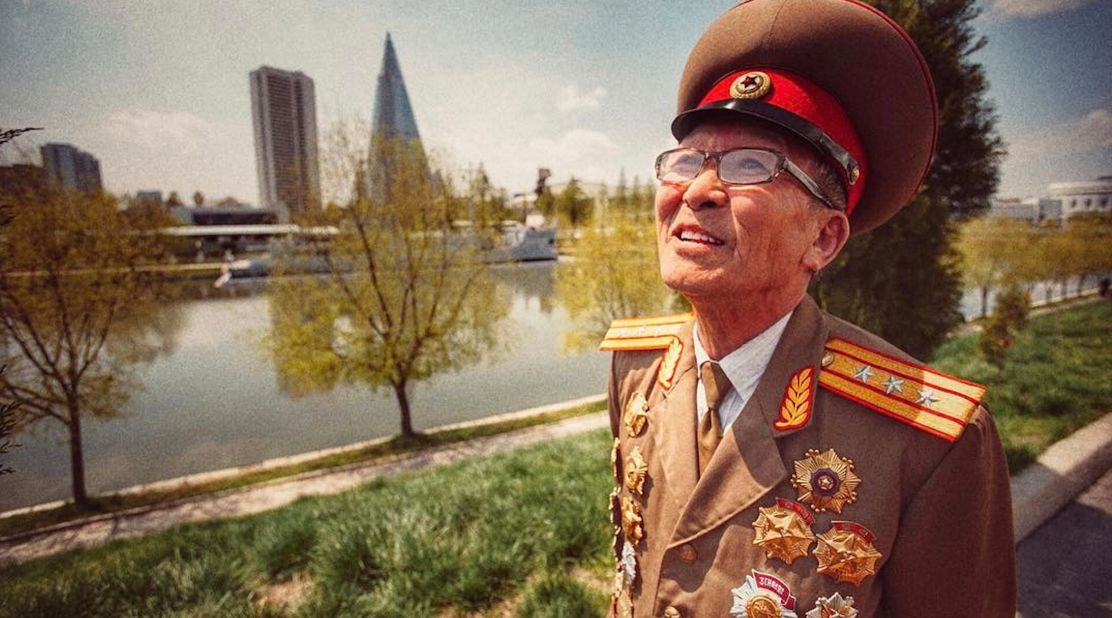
(160, 131)
(579, 152)
(1035, 8)
(1090, 132)
(571, 99)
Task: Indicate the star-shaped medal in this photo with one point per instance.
(783, 531)
(825, 481)
(846, 552)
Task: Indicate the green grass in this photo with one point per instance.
(466, 538)
(383, 450)
(518, 534)
(1057, 379)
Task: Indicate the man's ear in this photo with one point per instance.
(831, 235)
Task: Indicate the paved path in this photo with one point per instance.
(1065, 566)
(259, 498)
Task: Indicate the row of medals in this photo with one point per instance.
(825, 481)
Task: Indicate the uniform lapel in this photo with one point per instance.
(675, 414)
(748, 464)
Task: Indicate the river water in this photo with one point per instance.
(216, 400)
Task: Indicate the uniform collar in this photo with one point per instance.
(745, 365)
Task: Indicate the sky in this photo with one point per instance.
(158, 91)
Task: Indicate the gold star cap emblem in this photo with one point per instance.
(846, 552)
(825, 481)
(783, 531)
(752, 85)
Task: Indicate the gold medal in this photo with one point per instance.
(624, 604)
(846, 552)
(783, 531)
(833, 606)
(636, 470)
(763, 596)
(636, 415)
(825, 481)
(615, 455)
(631, 521)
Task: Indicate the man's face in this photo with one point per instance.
(719, 242)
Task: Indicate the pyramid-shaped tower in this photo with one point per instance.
(395, 144)
(393, 115)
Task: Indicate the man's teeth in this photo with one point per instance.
(698, 237)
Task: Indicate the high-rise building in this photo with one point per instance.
(70, 168)
(283, 106)
(394, 138)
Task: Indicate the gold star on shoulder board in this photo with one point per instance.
(825, 481)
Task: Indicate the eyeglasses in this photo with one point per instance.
(740, 166)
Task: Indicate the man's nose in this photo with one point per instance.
(705, 190)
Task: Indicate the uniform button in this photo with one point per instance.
(688, 553)
(671, 612)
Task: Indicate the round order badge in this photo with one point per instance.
(763, 596)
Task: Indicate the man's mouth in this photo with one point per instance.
(697, 236)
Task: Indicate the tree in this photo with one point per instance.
(612, 279)
(76, 314)
(1008, 318)
(902, 281)
(198, 199)
(993, 252)
(572, 205)
(403, 297)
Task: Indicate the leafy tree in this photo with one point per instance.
(173, 201)
(573, 205)
(403, 297)
(546, 203)
(621, 201)
(902, 281)
(615, 275)
(993, 251)
(198, 199)
(1008, 318)
(76, 314)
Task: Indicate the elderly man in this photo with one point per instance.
(772, 460)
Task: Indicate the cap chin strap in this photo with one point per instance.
(685, 122)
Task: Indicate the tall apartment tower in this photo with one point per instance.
(283, 106)
(71, 168)
(393, 127)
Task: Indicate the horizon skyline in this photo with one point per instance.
(527, 99)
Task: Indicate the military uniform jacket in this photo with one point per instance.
(926, 530)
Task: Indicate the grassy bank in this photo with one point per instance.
(1057, 379)
(377, 452)
(492, 535)
(518, 534)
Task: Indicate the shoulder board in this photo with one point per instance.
(931, 401)
(643, 333)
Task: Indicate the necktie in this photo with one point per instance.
(715, 385)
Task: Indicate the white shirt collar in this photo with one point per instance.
(744, 366)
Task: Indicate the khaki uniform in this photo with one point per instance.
(929, 529)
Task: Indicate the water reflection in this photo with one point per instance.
(214, 398)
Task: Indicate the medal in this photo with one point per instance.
(636, 415)
(615, 455)
(763, 596)
(833, 606)
(825, 481)
(628, 565)
(636, 470)
(783, 531)
(846, 552)
(631, 521)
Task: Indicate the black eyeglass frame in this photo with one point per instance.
(782, 163)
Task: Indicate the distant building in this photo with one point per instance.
(283, 106)
(150, 197)
(1087, 197)
(189, 215)
(393, 121)
(70, 168)
(1029, 209)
